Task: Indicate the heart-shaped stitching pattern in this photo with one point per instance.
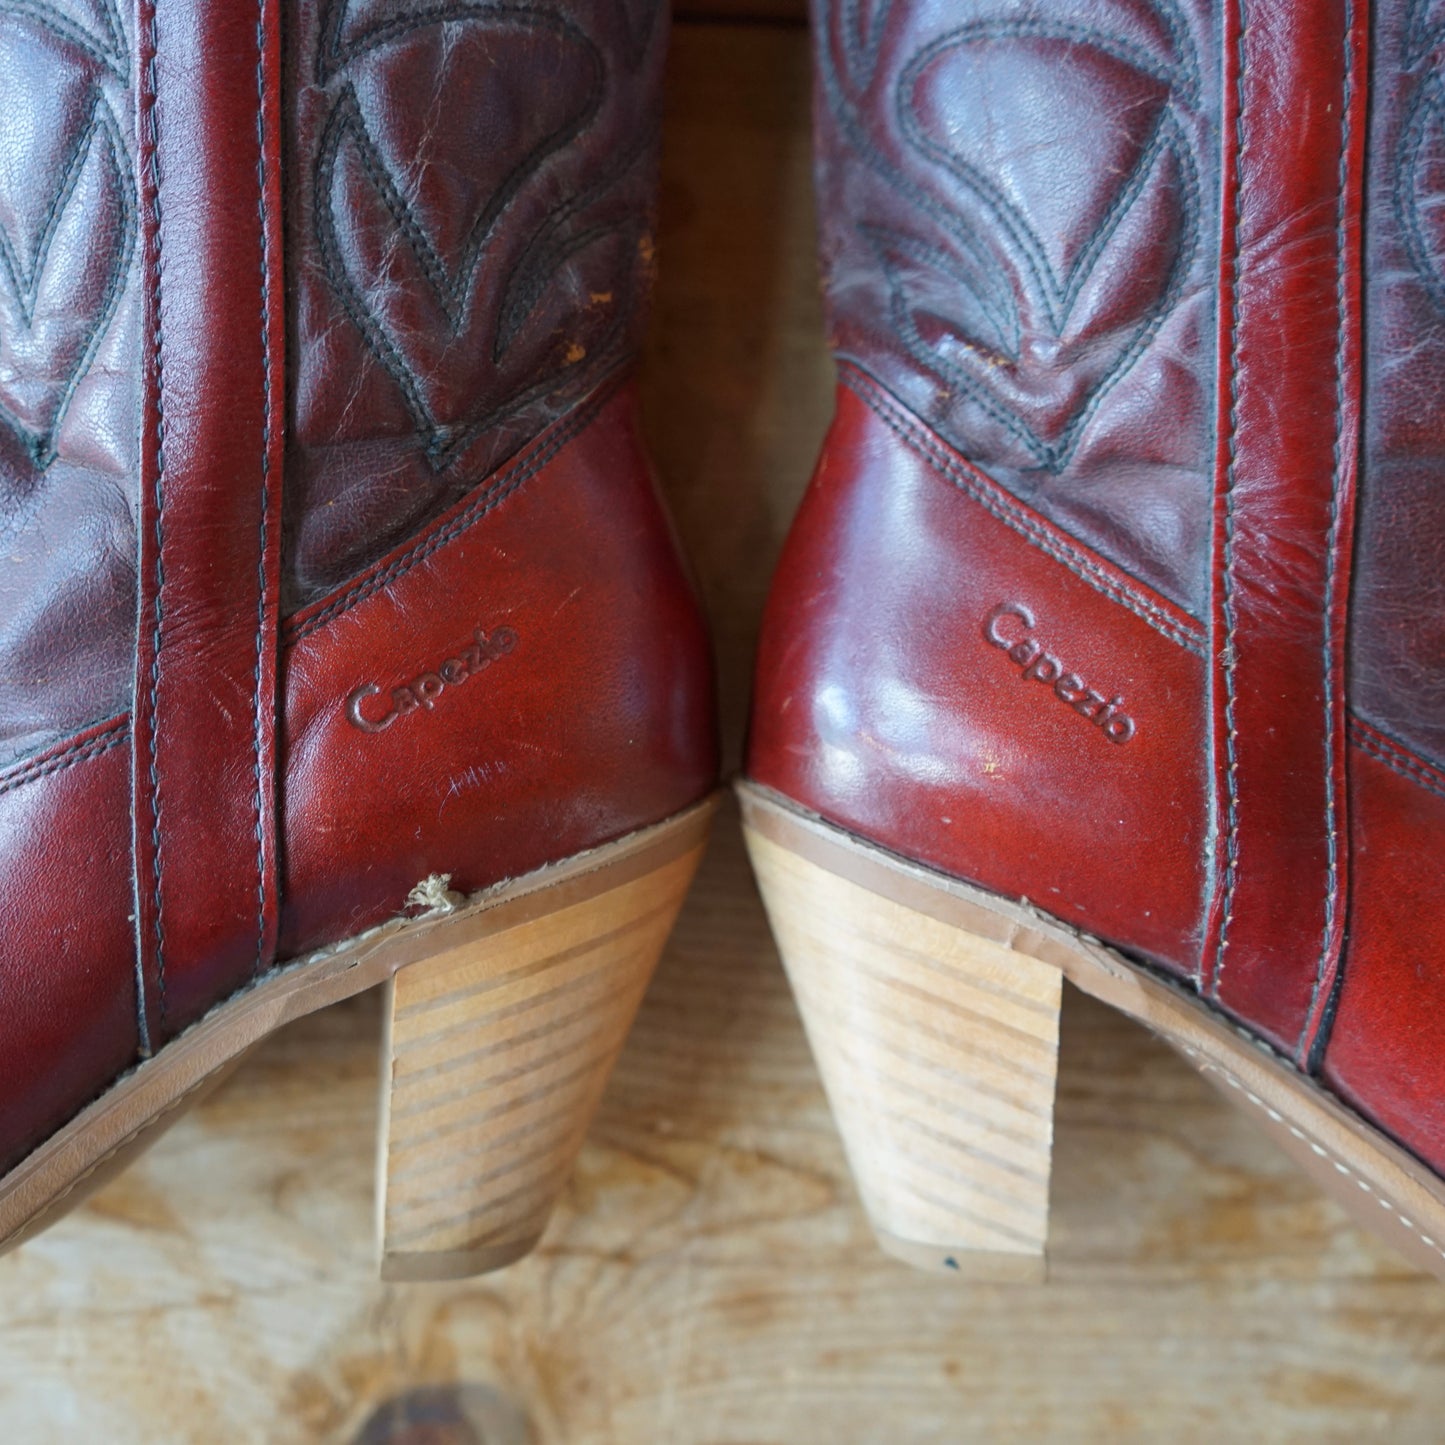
(409, 277)
(1019, 237)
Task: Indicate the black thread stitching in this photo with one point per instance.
(111, 53)
(1396, 756)
(76, 751)
(264, 706)
(1229, 659)
(1183, 79)
(1058, 294)
(42, 446)
(544, 257)
(1332, 545)
(158, 502)
(861, 51)
(488, 499)
(996, 302)
(1428, 100)
(871, 393)
(1420, 39)
(1054, 456)
(442, 443)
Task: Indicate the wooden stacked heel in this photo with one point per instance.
(496, 1051)
(932, 1008)
(938, 1050)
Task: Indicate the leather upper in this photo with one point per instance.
(351, 438)
(1139, 322)
(70, 377)
(1019, 231)
(469, 252)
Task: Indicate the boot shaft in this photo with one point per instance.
(334, 558)
(1115, 587)
(461, 251)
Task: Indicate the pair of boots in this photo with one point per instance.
(344, 641)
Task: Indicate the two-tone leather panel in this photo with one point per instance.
(470, 247)
(1018, 209)
(944, 672)
(528, 678)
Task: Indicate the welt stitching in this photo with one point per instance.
(1385, 750)
(77, 751)
(262, 705)
(1012, 517)
(158, 502)
(1230, 659)
(1332, 544)
(505, 484)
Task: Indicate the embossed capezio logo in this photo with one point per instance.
(1010, 626)
(363, 711)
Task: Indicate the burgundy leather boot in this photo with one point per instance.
(1109, 642)
(343, 638)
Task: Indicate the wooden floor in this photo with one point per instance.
(711, 1280)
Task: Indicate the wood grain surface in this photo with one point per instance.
(710, 1278)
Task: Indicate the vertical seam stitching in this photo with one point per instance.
(1229, 660)
(261, 567)
(158, 499)
(1333, 540)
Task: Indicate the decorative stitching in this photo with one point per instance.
(1170, 135)
(158, 502)
(1208, 1065)
(994, 296)
(264, 706)
(78, 750)
(444, 442)
(491, 496)
(26, 287)
(996, 504)
(1420, 39)
(1428, 101)
(1229, 660)
(1332, 546)
(861, 52)
(1057, 295)
(527, 282)
(111, 53)
(1396, 756)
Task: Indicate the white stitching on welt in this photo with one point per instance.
(1207, 1065)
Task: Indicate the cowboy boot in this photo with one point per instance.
(1109, 642)
(343, 638)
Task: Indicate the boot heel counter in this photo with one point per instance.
(944, 672)
(528, 678)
